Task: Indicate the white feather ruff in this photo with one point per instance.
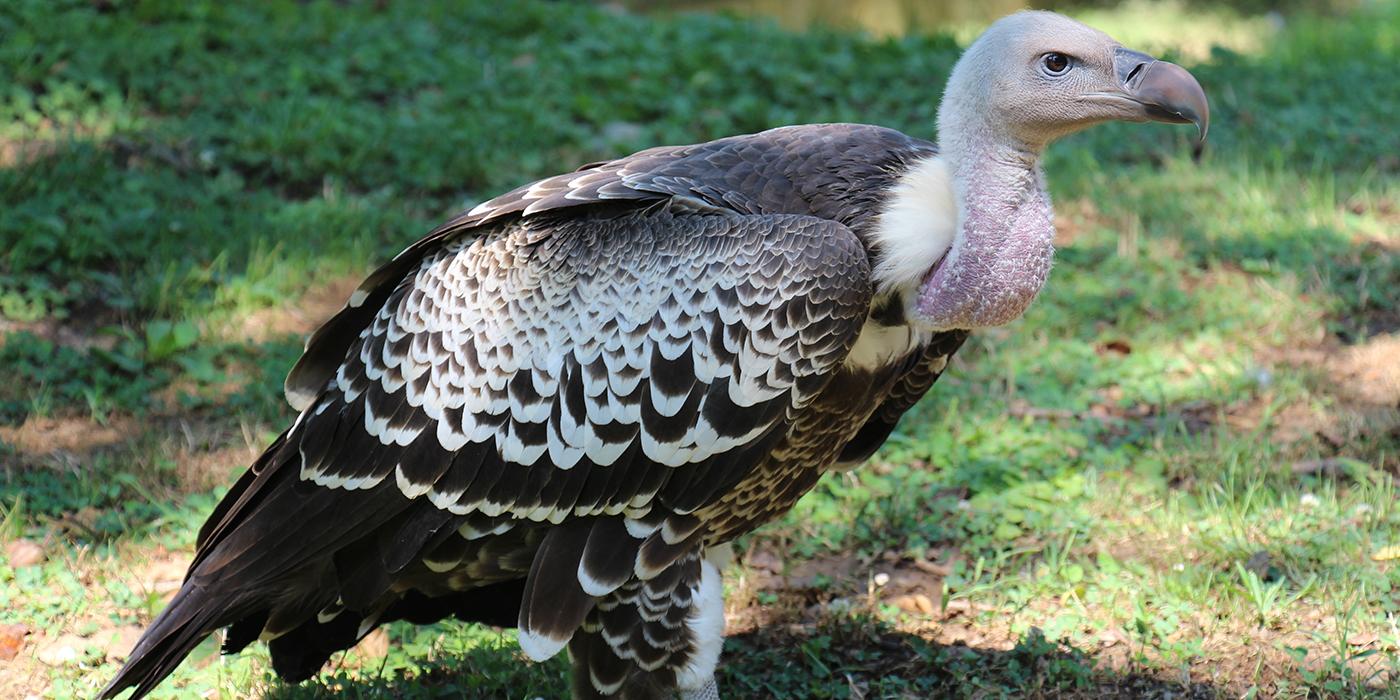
(916, 227)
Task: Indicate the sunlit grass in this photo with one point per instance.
(1189, 30)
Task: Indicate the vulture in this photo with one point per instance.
(555, 410)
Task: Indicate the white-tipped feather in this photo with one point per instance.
(606, 689)
(878, 345)
(408, 488)
(593, 586)
(540, 647)
(299, 399)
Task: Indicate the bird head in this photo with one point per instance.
(1031, 78)
(1038, 76)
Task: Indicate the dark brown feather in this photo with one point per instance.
(554, 604)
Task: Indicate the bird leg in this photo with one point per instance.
(710, 691)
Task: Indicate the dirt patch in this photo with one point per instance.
(15, 153)
(202, 470)
(818, 596)
(79, 335)
(171, 455)
(93, 633)
(1362, 385)
(163, 572)
(64, 438)
(1369, 373)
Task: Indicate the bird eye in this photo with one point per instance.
(1055, 63)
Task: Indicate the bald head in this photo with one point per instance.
(1029, 79)
(1033, 77)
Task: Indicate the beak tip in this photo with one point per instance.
(1172, 94)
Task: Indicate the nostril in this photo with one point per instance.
(1133, 73)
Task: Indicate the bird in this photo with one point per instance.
(556, 410)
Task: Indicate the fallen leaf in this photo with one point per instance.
(22, 553)
(1363, 639)
(925, 603)
(1120, 347)
(12, 640)
(1387, 553)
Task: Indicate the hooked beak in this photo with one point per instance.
(1164, 92)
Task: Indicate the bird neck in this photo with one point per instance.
(1000, 256)
(992, 181)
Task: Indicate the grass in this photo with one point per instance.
(1174, 477)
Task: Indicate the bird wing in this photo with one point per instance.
(832, 171)
(704, 175)
(923, 369)
(546, 370)
(575, 344)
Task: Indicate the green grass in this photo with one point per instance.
(1112, 495)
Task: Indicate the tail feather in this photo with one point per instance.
(266, 561)
(171, 637)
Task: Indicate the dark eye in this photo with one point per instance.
(1055, 63)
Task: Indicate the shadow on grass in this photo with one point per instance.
(848, 657)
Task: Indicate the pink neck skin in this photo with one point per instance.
(1001, 256)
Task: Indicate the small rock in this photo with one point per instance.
(1117, 346)
(12, 640)
(917, 603)
(165, 576)
(166, 570)
(65, 650)
(1262, 376)
(958, 605)
(1332, 466)
(22, 553)
(839, 606)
